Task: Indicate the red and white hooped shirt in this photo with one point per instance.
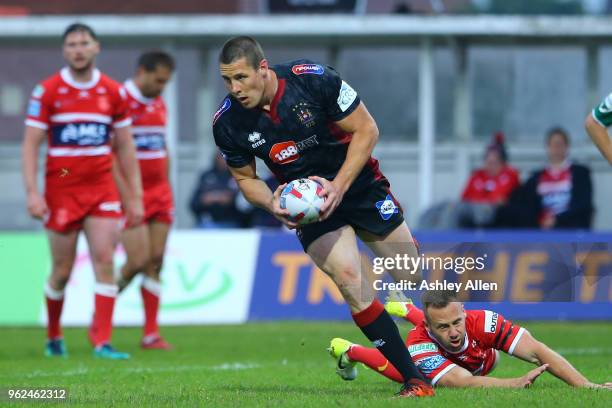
(79, 118)
(149, 118)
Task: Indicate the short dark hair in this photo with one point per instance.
(79, 27)
(242, 47)
(150, 60)
(558, 130)
(437, 299)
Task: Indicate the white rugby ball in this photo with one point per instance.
(301, 198)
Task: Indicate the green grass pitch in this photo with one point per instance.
(277, 364)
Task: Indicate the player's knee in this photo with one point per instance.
(61, 270)
(102, 256)
(138, 264)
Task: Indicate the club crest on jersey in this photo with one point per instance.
(304, 114)
(308, 69)
(222, 109)
(104, 103)
(256, 140)
(387, 207)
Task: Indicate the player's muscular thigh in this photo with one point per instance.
(398, 242)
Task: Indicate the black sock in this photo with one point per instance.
(380, 329)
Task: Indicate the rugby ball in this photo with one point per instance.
(302, 199)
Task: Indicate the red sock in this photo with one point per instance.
(375, 360)
(150, 291)
(414, 314)
(55, 303)
(103, 315)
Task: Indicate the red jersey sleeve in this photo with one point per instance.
(38, 108)
(469, 193)
(426, 355)
(497, 332)
(121, 114)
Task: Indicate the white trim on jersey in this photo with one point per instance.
(67, 77)
(441, 373)
(72, 117)
(516, 339)
(79, 151)
(122, 123)
(148, 129)
(597, 120)
(159, 154)
(133, 90)
(36, 124)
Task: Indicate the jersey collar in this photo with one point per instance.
(463, 348)
(133, 90)
(67, 77)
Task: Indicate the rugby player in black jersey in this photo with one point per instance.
(303, 121)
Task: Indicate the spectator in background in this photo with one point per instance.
(487, 188)
(558, 196)
(213, 202)
(258, 217)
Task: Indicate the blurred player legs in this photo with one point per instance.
(144, 247)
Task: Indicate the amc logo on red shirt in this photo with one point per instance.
(283, 153)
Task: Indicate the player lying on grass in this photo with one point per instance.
(454, 347)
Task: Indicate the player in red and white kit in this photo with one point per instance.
(454, 347)
(145, 244)
(75, 110)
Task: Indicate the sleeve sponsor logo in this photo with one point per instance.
(284, 153)
(223, 108)
(346, 97)
(38, 91)
(308, 69)
(34, 108)
(428, 365)
(490, 325)
(422, 348)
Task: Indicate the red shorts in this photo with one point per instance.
(158, 204)
(69, 208)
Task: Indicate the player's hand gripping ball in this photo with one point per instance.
(301, 198)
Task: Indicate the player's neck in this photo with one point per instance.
(82, 75)
(270, 88)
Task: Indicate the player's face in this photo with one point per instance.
(493, 163)
(80, 50)
(447, 325)
(152, 83)
(557, 148)
(244, 82)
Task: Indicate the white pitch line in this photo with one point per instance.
(139, 370)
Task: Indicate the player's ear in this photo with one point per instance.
(263, 67)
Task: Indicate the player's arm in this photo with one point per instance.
(365, 136)
(130, 173)
(32, 139)
(599, 135)
(534, 351)
(257, 192)
(460, 377)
